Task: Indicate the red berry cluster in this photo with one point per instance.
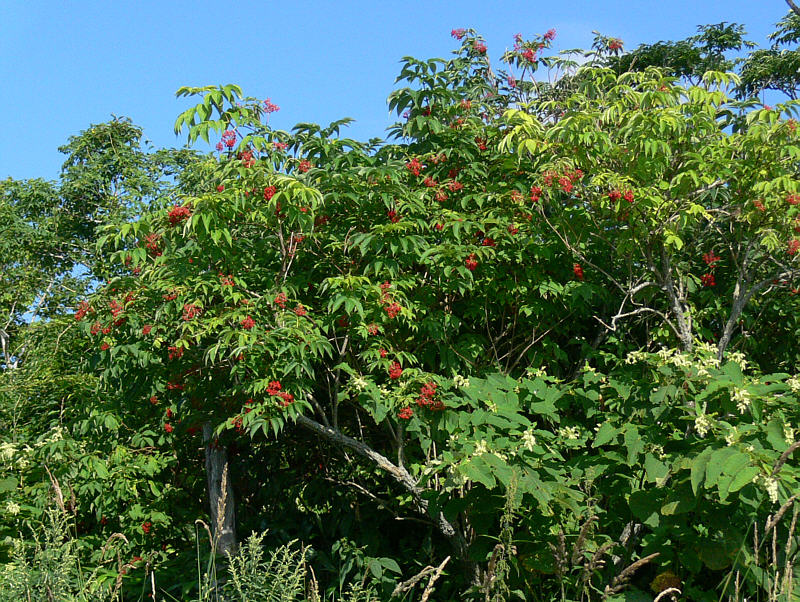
(414, 166)
(152, 243)
(248, 323)
(391, 308)
(577, 269)
(426, 397)
(405, 413)
(269, 192)
(178, 214)
(147, 527)
(479, 47)
(300, 310)
(471, 262)
(458, 33)
(711, 260)
(246, 157)
(566, 181)
(794, 246)
(83, 309)
(616, 195)
(793, 199)
(270, 107)
(175, 352)
(393, 216)
(274, 389)
(304, 166)
(229, 138)
(190, 311)
(280, 300)
(395, 370)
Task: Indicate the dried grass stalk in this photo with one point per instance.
(577, 549)
(621, 580)
(779, 515)
(429, 588)
(788, 569)
(784, 456)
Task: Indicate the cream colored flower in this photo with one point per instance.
(569, 432)
(12, 508)
(528, 439)
(7, 450)
(702, 425)
(460, 381)
(771, 485)
(742, 399)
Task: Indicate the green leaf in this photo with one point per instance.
(8, 484)
(477, 471)
(654, 468)
(742, 478)
(715, 464)
(606, 433)
(699, 465)
(633, 443)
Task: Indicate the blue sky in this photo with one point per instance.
(67, 64)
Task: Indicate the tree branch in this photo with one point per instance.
(398, 473)
(794, 7)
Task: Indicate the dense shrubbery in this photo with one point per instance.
(509, 352)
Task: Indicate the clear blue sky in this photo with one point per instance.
(67, 64)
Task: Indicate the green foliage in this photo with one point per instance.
(516, 335)
(689, 58)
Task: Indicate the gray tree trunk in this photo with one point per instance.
(220, 493)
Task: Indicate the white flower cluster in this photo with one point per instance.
(7, 450)
(528, 439)
(534, 372)
(794, 384)
(569, 432)
(742, 399)
(12, 508)
(359, 383)
(481, 448)
(658, 451)
(770, 484)
(732, 436)
(702, 425)
(788, 434)
(635, 356)
(460, 381)
(737, 357)
(492, 406)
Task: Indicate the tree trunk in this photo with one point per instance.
(220, 493)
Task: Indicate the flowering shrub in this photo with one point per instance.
(383, 304)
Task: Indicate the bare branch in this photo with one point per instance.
(794, 7)
(398, 473)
